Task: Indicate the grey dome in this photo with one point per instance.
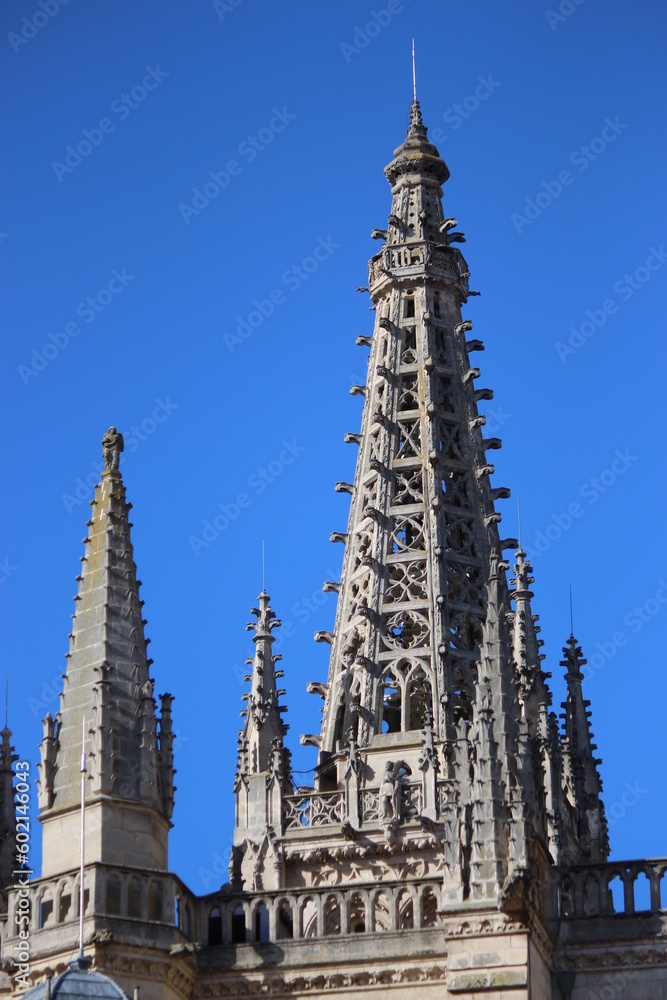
(77, 983)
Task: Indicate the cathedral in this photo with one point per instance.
(454, 842)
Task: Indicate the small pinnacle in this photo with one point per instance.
(416, 122)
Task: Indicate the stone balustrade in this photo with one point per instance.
(309, 808)
(225, 918)
(587, 890)
(127, 893)
(312, 808)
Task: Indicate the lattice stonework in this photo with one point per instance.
(422, 520)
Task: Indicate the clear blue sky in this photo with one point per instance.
(553, 128)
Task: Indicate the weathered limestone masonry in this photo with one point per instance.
(454, 842)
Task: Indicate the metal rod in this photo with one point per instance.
(83, 831)
(571, 615)
(414, 78)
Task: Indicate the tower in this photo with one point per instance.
(131, 903)
(441, 772)
(108, 688)
(436, 707)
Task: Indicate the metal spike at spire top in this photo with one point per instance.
(6, 699)
(414, 78)
(518, 514)
(571, 615)
(263, 573)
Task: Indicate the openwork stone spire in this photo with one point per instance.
(107, 681)
(423, 522)
(438, 753)
(430, 669)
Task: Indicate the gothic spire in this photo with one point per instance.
(264, 728)
(422, 523)
(8, 860)
(107, 681)
(581, 778)
(525, 642)
(263, 773)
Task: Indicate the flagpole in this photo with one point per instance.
(83, 832)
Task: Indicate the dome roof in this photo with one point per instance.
(77, 983)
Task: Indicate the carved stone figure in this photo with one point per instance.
(112, 446)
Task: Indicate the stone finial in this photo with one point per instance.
(112, 446)
(416, 122)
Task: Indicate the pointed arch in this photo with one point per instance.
(391, 702)
(331, 915)
(238, 925)
(381, 916)
(155, 902)
(285, 920)
(215, 926)
(113, 896)
(261, 922)
(405, 911)
(309, 918)
(134, 898)
(429, 908)
(419, 698)
(357, 914)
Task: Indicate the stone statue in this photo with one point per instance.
(112, 445)
(390, 790)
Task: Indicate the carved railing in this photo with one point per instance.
(587, 890)
(313, 809)
(412, 800)
(52, 903)
(370, 805)
(446, 794)
(239, 918)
